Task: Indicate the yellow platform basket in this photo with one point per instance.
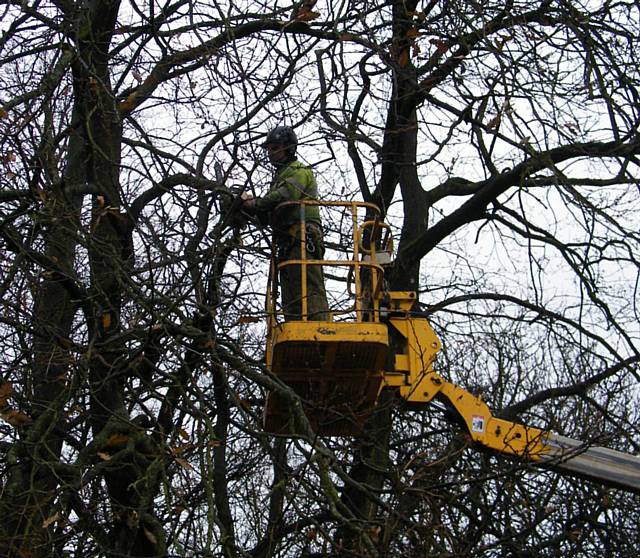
(335, 368)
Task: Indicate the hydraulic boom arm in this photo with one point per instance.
(418, 383)
(339, 366)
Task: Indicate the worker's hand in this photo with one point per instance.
(248, 201)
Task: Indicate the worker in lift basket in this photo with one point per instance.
(292, 181)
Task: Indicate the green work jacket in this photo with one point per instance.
(292, 182)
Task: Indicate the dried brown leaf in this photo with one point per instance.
(574, 534)
(177, 450)
(6, 391)
(493, 123)
(306, 14)
(16, 418)
(312, 534)
(441, 45)
(150, 536)
(184, 463)
(116, 440)
(412, 33)
(50, 520)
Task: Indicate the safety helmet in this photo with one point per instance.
(283, 135)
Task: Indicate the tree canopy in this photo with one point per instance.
(499, 139)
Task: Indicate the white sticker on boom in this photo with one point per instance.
(477, 423)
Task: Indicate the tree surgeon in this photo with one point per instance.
(292, 181)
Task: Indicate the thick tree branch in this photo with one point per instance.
(189, 60)
(579, 388)
(166, 185)
(490, 189)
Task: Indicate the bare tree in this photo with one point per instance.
(501, 142)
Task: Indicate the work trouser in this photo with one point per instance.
(289, 248)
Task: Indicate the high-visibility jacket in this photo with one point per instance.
(292, 182)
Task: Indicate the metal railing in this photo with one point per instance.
(370, 248)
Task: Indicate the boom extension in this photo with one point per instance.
(609, 467)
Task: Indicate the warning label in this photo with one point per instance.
(477, 424)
